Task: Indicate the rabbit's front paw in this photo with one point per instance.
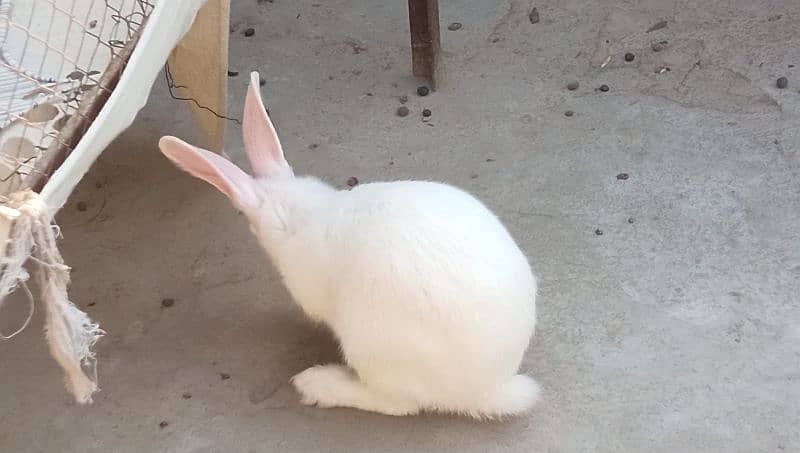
(325, 385)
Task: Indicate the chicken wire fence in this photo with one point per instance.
(60, 61)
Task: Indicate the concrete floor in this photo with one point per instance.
(676, 330)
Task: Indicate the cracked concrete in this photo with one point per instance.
(674, 330)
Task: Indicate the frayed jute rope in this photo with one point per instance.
(69, 331)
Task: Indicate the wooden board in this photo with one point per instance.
(200, 63)
(423, 18)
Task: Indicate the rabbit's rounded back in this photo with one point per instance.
(416, 273)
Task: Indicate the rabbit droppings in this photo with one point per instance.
(431, 299)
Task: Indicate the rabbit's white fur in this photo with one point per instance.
(430, 297)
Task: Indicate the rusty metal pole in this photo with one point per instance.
(423, 18)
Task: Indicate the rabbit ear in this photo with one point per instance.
(260, 139)
(213, 169)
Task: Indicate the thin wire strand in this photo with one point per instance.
(171, 85)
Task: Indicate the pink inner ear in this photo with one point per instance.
(214, 169)
(260, 139)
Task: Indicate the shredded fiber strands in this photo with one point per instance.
(69, 331)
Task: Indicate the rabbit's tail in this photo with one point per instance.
(514, 397)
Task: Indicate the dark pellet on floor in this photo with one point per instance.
(313, 146)
(630, 220)
(782, 82)
(352, 181)
(569, 113)
(224, 376)
(604, 88)
(598, 232)
(250, 32)
(403, 99)
(232, 73)
(572, 86)
(163, 424)
(402, 111)
(533, 17)
(426, 113)
(490, 160)
(623, 176)
(186, 395)
(454, 26)
(81, 206)
(168, 302)
(423, 91)
(473, 176)
(629, 57)
(92, 24)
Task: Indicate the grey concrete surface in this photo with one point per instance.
(678, 332)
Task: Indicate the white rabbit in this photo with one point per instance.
(430, 297)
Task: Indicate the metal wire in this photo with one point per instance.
(171, 86)
(53, 54)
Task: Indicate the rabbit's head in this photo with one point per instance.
(273, 199)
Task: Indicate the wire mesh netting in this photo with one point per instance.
(59, 61)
